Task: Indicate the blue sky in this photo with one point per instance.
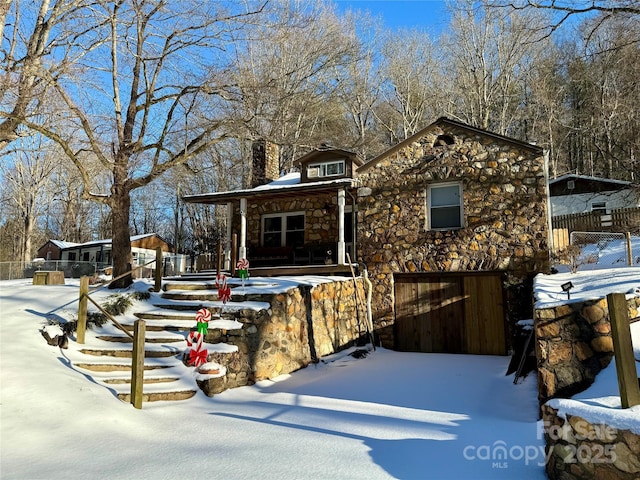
(430, 15)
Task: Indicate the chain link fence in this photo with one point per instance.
(71, 269)
(171, 265)
(597, 250)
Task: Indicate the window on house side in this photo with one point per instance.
(283, 229)
(599, 207)
(327, 169)
(444, 206)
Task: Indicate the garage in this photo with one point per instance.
(450, 313)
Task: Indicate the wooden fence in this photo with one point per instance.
(618, 220)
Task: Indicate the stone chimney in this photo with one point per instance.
(265, 166)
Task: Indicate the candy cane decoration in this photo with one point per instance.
(194, 339)
(221, 281)
(202, 318)
(197, 354)
(224, 294)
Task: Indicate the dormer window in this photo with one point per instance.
(326, 169)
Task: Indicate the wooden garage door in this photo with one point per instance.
(450, 313)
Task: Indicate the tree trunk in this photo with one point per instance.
(121, 237)
(26, 244)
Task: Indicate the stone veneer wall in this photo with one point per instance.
(579, 450)
(504, 199)
(300, 326)
(320, 228)
(573, 344)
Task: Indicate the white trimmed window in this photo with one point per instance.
(326, 169)
(599, 207)
(283, 229)
(444, 206)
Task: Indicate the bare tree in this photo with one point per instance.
(143, 100)
(24, 50)
(26, 180)
(566, 10)
(490, 54)
(287, 75)
(359, 85)
(411, 89)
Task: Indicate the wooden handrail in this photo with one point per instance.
(138, 337)
(108, 315)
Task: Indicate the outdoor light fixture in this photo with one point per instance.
(566, 287)
(326, 208)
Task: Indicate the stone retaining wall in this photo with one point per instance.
(573, 344)
(579, 450)
(301, 325)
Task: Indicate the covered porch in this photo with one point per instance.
(286, 227)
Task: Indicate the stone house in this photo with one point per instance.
(302, 218)
(451, 224)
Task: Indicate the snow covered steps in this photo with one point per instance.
(106, 355)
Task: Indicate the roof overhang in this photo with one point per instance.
(264, 193)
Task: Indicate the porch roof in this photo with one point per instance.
(287, 186)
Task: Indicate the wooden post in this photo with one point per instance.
(159, 265)
(82, 310)
(137, 363)
(623, 350)
(219, 265)
(629, 252)
(234, 253)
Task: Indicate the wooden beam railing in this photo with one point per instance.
(623, 350)
(138, 337)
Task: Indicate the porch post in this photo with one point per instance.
(227, 250)
(242, 249)
(341, 244)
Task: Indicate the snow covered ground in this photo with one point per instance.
(388, 415)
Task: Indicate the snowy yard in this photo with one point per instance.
(389, 415)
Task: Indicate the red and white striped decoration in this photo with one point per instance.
(203, 315)
(243, 264)
(194, 339)
(221, 281)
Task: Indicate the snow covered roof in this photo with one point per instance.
(106, 241)
(575, 176)
(288, 184)
(63, 244)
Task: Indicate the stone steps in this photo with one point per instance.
(126, 339)
(114, 367)
(107, 355)
(126, 353)
(160, 396)
(189, 286)
(121, 381)
(190, 296)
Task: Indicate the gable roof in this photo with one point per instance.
(560, 186)
(453, 123)
(322, 152)
(108, 241)
(575, 176)
(62, 244)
